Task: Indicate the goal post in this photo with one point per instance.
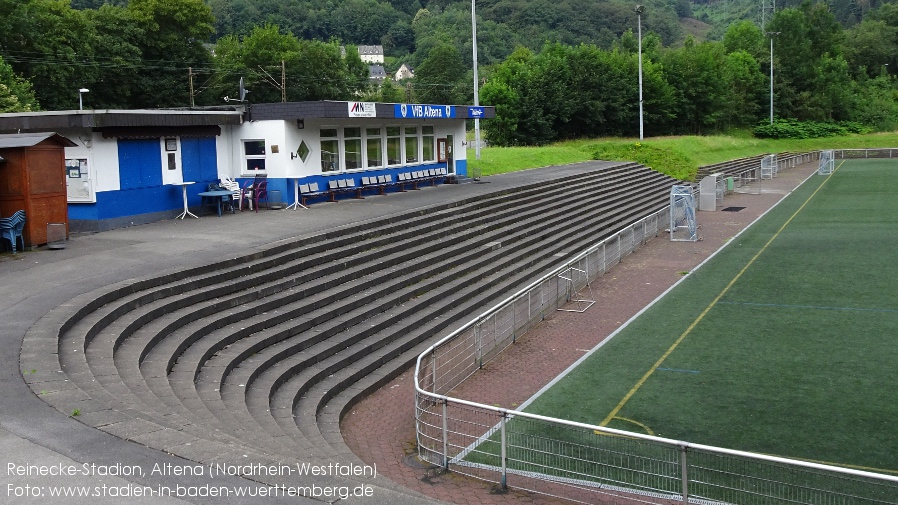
(827, 162)
(683, 227)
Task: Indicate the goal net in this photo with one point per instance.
(827, 162)
(682, 214)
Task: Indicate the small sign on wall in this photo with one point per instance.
(442, 150)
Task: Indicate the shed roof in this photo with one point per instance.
(14, 140)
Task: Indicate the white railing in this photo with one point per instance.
(589, 463)
(879, 152)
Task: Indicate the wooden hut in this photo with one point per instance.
(33, 179)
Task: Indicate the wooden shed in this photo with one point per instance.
(33, 179)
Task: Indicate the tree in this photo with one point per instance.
(51, 45)
(174, 34)
(16, 94)
(871, 45)
(439, 78)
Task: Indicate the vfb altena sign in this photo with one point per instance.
(420, 111)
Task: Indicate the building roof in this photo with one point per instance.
(47, 121)
(14, 140)
(371, 50)
(377, 72)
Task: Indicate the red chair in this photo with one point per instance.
(254, 191)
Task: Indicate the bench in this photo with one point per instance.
(307, 191)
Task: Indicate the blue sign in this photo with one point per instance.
(476, 112)
(418, 111)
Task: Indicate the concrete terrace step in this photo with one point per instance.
(153, 349)
(271, 355)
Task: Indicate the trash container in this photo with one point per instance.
(274, 199)
(56, 235)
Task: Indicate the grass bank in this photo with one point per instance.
(677, 156)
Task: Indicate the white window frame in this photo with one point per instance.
(244, 169)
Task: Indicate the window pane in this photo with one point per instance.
(328, 132)
(352, 132)
(411, 149)
(393, 131)
(375, 152)
(372, 132)
(394, 157)
(427, 130)
(254, 147)
(255, 164)
(411, 130)
(353, 153)
(427, 148)
(330, 158)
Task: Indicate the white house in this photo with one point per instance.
(372, 54)
(128, 166)
(404, 72)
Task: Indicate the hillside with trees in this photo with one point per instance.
(554, 71)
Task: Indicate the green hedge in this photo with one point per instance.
(794, 129)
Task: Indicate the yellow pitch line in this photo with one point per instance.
(710, 306)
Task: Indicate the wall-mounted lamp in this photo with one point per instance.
(81, 92)
(300, 123)
(293, 156)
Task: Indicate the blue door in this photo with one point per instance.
(140, 163)
(199, 160)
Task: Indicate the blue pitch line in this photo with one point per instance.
(819, 307)
(677, 370)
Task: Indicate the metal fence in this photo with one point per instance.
(879, 152)
(589, 463)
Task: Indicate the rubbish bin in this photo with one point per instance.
(56, 235)
(274, 199)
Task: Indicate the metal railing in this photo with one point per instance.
(879, 152)
(589, 463)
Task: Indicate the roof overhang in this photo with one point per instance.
(64, 120)
(16, 140)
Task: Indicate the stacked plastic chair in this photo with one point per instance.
(11, 229)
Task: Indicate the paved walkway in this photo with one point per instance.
(34, 282)
(381, 428)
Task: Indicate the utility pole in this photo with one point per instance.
(283, 81)
(190, 78)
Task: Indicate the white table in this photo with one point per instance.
(296, 203)
(184, 194)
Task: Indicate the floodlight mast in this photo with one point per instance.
(639, 10)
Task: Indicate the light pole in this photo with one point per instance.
(639, 10)
(771, 34)
(81, 92)
(476, 84)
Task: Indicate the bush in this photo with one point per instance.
(794, 129)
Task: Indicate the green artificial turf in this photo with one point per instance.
(797, 358)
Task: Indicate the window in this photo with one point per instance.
(411, 144)
(352, 146)
(330, 150)
(254, 153)
(427, 144)
(374, 144)
(394, 145)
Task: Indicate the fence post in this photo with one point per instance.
(504, 452)
(446, 434)
(433, 362)
(685, 474)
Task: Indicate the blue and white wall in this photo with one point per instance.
(123, 182)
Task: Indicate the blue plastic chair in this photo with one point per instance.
(11, 229)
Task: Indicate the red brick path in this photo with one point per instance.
(381, 428)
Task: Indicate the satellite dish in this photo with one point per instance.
(243, 91)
